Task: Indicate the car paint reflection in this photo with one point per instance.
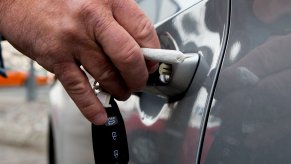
(253, 92)
(176, 127)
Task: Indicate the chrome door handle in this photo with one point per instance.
(175, 73)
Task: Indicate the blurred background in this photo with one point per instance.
(23, 109)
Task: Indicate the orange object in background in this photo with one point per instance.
(18, 78)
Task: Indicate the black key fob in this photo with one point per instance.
(109, 140)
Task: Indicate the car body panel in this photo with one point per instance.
(160, 132)
(252, 96)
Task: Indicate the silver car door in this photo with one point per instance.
(165, 130)
(252, 97)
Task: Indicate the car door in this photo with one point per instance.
(252, 96)
(169, 129)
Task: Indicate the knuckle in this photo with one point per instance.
(86, 9)
(108, 74)
(119, 4)
(132, 54)
(145, 29)
(69, 32)
(95, 20)
(70, 79)
(76, 86)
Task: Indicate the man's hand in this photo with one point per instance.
(104, 36)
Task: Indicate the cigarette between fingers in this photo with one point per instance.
(164, 56)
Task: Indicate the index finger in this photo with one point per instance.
(77, 86)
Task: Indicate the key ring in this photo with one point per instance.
(103, 96)
(96, 87)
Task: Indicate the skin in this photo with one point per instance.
(104, 36)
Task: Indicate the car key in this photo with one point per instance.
(109, 140)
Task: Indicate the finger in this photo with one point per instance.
(125, 54)
(79, 89)
(127, 13)
(102, 70)
(130, 16)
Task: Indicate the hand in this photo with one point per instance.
(104, 36)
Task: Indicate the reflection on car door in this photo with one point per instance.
(252, 97)
(159, 131)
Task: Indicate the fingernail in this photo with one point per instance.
(100, 119)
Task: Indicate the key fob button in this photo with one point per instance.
(111, 121)
(110, 140)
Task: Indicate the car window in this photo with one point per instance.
(159, 10)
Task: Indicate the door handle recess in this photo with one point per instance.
(172, 79)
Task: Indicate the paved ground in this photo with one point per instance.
(23, 126)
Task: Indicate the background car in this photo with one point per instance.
(17, 67)
(235, 107)
(19, 78)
